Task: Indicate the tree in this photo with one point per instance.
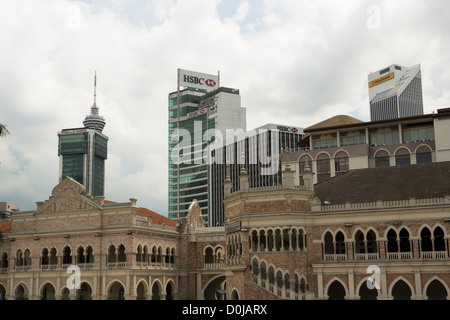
(3, 131)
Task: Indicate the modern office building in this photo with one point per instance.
(83, 151)
(258, 150)
(395, 92)
(200, 113)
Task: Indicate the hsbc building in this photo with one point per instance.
(198, 105)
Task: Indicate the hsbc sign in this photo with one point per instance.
(197, 80)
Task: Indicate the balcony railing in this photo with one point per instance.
(335, 257)
(434, 255)
(399, 255)
(366, 256)
(213, 266)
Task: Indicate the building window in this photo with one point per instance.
(341, 162)
(384, 71)
(402, 157)
(423, 155)
(382, 159)
(323, 167)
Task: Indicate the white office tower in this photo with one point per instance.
(395, 92)
(200, 113)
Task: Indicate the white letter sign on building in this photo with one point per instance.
(208, 82)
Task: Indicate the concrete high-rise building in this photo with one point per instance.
(83, 151)
(395, 92)
(198, 110)
(258, 151)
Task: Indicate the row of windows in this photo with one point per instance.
(278, 277)
(398, 245)
(49, 258)
(379, 139)
(285, 239)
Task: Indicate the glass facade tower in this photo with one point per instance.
(83, 151)
(195, 113)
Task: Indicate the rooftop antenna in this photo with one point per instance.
(95, 88)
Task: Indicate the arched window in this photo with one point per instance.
(67, 255)
(263, 271)
(80, 255)
(341, 162)
(44, 257)
(371, 242)
(405, 243)
(287, 285)
(208, 258)
(139, 254)
(425, 243)
(121, 256)
(392, 241)
(359, 242)
(255, 267)
(340, 244)
(329, 246)
(382, 159)
(89, 255)
(53, 258)
(271, 275)
(423, 155)
(27, 258)
(323, 167)
(402, 157)
(4, 262)
(112, 257)
(279, 279)
(439, 242)
(145, 254)
(19, 258)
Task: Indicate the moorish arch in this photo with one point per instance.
(116, 290)
(436, 289)
(216, 283)
(336, 289)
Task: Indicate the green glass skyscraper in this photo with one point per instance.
(83, 151)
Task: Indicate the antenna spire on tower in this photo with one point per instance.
(95, 88)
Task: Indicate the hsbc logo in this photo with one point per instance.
(210, 82)
(200, 81)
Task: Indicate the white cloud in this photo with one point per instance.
(295, 62)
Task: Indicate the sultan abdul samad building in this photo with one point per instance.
(343, 213)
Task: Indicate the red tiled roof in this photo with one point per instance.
(5, 226)
(156, 218)
(108, 202)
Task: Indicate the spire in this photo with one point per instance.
(95, 88)
(94, 120)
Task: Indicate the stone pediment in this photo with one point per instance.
(69, 195)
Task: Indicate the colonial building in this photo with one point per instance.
(76, 246)
(325, 241)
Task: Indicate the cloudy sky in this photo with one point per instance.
(295, 62)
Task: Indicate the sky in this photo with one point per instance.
(295, 62)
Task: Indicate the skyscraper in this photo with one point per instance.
(196, 113)
(395, 92)
(258, 152)
(83, 151)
